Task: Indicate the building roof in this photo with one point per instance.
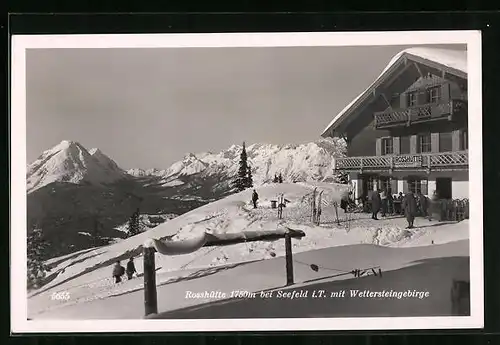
(453, 61)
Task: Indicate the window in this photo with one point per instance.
(464, 140)
(417, 185)
(412, 99)
(371, 182)
(434, 94)
(404, 143)
(387, 148)
(424, 143)
(386, 184)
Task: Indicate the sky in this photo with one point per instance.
(149, 107)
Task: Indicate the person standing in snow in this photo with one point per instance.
(118, 272)
(435, 211)
(344, 201)
(130, 268)
(275, 180)
(423, 204)
(390, 202)
(255, 197)
(280, 179)
(376, 201)
(383, 202)
(410, 208)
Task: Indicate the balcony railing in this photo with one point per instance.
(420, 113)
(426, 161)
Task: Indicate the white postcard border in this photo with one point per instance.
(19, 322)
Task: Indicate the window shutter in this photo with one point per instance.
(396, 145)
(434, 142)
(445, 92)
(413, 144)
(403, 103)
(424, 186)
(422, 97)
(394, 186)
(404, 145)
(405, 186)
(378, 147)
(455, 140)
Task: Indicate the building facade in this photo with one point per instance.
(409, 130)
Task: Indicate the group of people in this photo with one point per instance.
(119, 271)
(410, 204)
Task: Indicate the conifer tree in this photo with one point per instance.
(133, 224)
(249, 178)
(37, 251)
(241, 181)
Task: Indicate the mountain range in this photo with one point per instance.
(74, 191)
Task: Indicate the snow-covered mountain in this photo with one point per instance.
(70, 162)
(297, 163)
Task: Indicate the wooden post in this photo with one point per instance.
(289, 259)
(336, 213)
(150, 297)
(460, 298)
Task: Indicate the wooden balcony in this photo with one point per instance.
(441, 161)
(417, 114)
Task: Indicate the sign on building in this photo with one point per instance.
(408, 161)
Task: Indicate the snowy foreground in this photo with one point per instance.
(358, 242)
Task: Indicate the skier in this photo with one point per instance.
(255, 197)
(410, 208)
(130, 268)
(280, 179)
(118, 272)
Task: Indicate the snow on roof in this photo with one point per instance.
(453, 59)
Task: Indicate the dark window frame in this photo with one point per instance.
(387, 146)
(415, 184)
(424, 146)
(434, 98)
(412, 99)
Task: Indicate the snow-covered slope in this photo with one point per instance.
(70, 162)
(297, 163)
(234, 214)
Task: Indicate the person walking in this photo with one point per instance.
(410, 208)
(118, 272)
(255, 198)
(375, 201)
(130, 268)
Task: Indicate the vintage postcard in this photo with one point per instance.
(222, 182)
